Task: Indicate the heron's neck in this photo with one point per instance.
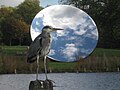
(46, 34)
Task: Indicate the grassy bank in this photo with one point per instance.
(107, 52)
(13, 60)
(13, 50)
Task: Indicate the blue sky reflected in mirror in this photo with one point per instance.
(79, 37)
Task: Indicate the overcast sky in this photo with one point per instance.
(14, 3)
(44, 3)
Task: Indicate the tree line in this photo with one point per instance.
(15, 21)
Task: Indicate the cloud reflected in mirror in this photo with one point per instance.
(79, 37)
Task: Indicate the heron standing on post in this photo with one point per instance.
(40, 47)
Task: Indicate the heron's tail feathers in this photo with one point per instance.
(31, 59)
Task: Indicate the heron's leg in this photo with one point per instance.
(37, 66)
(45, 67)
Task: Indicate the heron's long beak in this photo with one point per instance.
(57, 29)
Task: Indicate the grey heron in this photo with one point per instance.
(40, 47)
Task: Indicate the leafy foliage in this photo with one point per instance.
(28, 9)
(15, 22)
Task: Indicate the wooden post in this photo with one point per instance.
(48, 85)
(41, 85)
(118, 69)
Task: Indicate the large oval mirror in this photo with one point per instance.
(79, 37)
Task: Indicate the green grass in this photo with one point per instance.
(106, 52)
(57, 66)
(109, 56)
(9, 50)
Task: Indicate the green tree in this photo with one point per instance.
(5, 13)
(109, 21)
(15, 22)
(21, 30)
(1, 37)
(28, 9)
(7, 31)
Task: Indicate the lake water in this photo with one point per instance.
(64, 81)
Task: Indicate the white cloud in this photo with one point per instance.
(95, 34)
(70, 51)
(80, 32)
(62, 33)
(47, 20)
(80, 42)
(62, 16)
(54, 36)
(80, 29)
(70, 45)
(72, 38)
(34, 34)
(52, 52)
(86, 51)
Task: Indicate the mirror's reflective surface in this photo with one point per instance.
(79, 37)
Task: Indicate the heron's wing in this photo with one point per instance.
(33, 49)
